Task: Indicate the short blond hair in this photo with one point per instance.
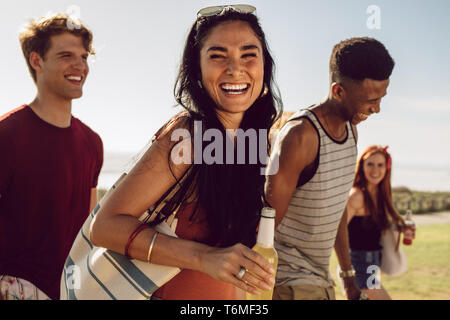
(36, 36)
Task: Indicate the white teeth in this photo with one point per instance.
(234, 87)
(363, 115)
(75, 78)
(235, 92)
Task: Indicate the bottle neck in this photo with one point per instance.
(266, 232)
(408, 215)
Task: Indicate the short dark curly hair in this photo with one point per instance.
(360, 58)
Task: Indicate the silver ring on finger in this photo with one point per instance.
(241, 273)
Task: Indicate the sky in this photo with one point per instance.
(129, 92)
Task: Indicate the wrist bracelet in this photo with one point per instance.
(151, 246)
(347, 274)
(363, 296)
(132, 237)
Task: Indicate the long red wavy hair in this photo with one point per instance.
(383, 211)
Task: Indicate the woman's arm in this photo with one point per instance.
(141, 188)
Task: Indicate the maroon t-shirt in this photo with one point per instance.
(46, 177)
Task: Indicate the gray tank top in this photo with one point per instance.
(305, 237)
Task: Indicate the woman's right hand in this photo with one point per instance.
(225, 263)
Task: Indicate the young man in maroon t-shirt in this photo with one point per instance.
(49, 163)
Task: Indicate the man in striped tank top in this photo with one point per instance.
(316, 155)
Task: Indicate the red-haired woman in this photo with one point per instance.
(370, 211)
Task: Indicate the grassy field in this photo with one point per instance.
(428, 275)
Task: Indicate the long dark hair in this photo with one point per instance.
(382, 212)
(230, 195)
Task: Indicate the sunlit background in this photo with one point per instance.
(129, 92)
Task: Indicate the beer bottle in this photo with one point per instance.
(264, 246)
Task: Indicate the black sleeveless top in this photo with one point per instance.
(364, 235)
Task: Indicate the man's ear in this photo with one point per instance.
(337, 91)
(36, 61)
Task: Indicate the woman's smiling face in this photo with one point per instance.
(375, 168)
(232, 66)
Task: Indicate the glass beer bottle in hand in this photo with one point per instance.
(264, 246)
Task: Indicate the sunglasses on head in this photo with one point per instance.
(215, 10)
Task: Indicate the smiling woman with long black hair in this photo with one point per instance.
(225, 83)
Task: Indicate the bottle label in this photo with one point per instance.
(266, 232)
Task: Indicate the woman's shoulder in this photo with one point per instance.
(356, 198)
(180, 121)
(162, 154)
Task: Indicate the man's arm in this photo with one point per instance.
(296, 147)
(355, 132)
(341, 247)
(93, 202)
(7, 158)
(94, 195)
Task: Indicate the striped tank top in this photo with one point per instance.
(305, 237)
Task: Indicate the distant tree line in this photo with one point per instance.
(420, 202)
